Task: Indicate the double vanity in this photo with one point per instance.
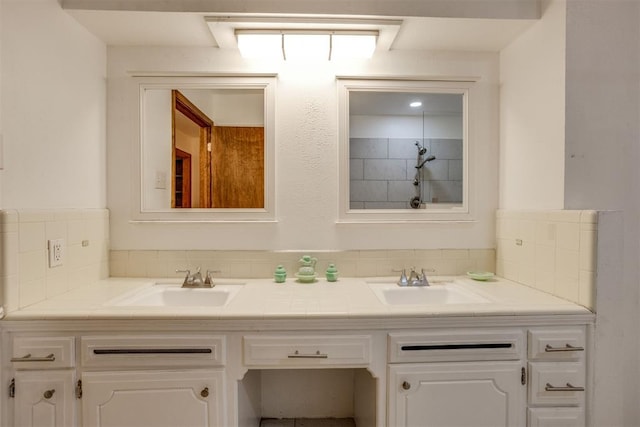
(134, 352)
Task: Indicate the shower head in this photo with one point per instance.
(421, 150)
(428, 159)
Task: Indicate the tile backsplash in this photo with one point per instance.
(26, 275)
(553, 251)
(257, 264)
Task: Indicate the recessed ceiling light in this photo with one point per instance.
(415, 104)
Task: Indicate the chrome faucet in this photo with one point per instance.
(195, 280)
(414, 279)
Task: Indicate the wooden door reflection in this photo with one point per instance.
(237, 167)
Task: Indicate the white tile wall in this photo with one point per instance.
(554, 251)
(25, 273)
(260, 264)
(382, 172)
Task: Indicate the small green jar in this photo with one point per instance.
(280, 275)
(332, 273)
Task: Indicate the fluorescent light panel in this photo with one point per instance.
(260, 45)
(306, 44)
(352, 45)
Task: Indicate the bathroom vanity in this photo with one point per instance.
(474, 354)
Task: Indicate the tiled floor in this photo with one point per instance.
(308, 422)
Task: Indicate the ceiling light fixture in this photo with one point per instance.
(415, 104)
(306, 44)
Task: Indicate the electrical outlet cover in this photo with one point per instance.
(56, 252)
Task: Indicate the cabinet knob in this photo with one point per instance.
(406, 385)
(49, 394)
(205, 392)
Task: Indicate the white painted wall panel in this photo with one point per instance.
(306, 155)
(53, 106)
(532, 111)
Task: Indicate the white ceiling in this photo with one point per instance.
(397, 103)
(136, 28)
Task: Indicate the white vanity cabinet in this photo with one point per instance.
(384, 373)
(44, 398)
(464, 378)
(153, 398)
(461, 394)
(152, 380)
(119, 380)
(43, 384)
(557, 377)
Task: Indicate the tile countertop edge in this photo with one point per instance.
(508, 300)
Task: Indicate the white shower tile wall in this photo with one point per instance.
(25, 272)
(553, 251)
(261, 264)
(382, 172)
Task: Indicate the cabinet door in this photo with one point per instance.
(44, 398)
(469, 394)
(153, 398)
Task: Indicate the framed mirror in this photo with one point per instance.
(404, 150)
(206, 148)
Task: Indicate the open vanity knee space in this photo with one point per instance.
(371, 366)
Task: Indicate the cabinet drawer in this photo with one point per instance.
(456, 345)
(307, 351)
(556, 344)
(146, 350)
(561, 384)
(556, 417)
(43, 352)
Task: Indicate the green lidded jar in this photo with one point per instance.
(280, 275)
(332, 273)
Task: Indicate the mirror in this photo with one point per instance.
(403, 149)
(206, 148)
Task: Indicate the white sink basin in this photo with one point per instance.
(161, 295)
(440, 294)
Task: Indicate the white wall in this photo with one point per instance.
(156, 153)
(532, 109)
(446, 127)
(601, 171)
(570, 138)
(53, 109)
(306, 156)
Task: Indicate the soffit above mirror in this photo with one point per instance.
(194, 29)
(492, 9)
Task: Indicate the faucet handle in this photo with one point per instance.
(188, 278)
(403, 281)
(208, 280)
(422, 278)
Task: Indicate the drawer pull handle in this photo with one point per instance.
(567, 347)
(49, 393)
(481, 346)
(317, 355)
(406, 385)
(29, 358)
(107, 351)
(568, 387)
(205, 392)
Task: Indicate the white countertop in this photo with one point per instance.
(262, 299)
